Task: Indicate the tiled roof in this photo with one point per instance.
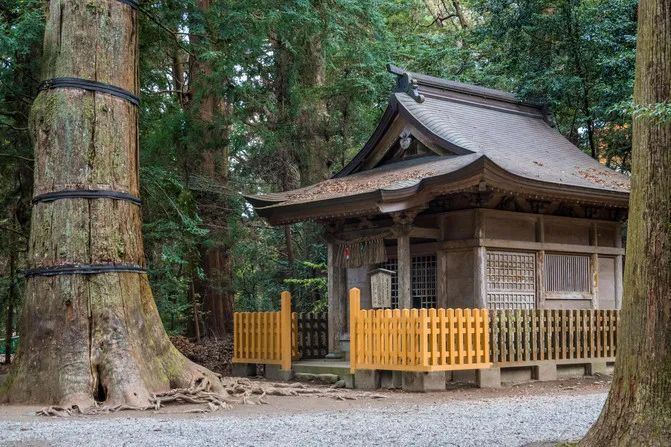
(394, 176)
(522, 144)
(474, 124)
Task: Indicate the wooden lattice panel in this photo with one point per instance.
(423, 279)
(511, 280)
(567, 273)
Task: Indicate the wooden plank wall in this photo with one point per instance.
(523, 336)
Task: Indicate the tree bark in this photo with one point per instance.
(312, 156)
(212, 114)
(98, 337)
(638, 409)
(11, 299)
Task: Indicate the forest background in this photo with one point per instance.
(261, 95)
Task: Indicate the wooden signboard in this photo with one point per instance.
(380, 288)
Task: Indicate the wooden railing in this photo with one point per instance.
(564, 336)
(430, 339)
(418, 339)
(264, 337)
(312, 335)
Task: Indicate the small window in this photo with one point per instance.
(567, 273)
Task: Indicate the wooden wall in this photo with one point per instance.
(464, 232)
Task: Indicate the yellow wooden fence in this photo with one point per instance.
(563, 336)
(417, 339)
(437, 339)
(265, 337)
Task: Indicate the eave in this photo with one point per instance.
(481, 170)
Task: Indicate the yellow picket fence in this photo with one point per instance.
(265, 337)
(418, 339)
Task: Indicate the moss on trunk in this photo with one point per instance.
(99, 337)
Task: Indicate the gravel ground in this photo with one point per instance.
(500, 421)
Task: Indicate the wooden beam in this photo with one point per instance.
(425, 233)
(524, 245)
(386, 142)
(532, 216)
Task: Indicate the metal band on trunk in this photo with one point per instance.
(86, 194)
(84, 269)
(94, 86)
(135, 4)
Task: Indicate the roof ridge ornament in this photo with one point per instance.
(405, 83)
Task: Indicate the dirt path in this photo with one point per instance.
(465, 416)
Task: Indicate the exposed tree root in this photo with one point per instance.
(231, 391)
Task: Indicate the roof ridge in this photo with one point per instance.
(416, 79)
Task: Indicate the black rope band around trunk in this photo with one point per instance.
(93, 86)
(135, 4)
(86, 194)
(84, 269)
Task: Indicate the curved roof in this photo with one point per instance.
(488, 135)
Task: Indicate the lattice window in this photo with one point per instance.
(423, 280)
(511, 280)
(567, 273)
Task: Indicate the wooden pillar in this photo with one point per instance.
(285, 331)
(441, 267)
(479, 263)
(540, 264)
(441, 279)
(337, 294)
(618, 268)
(404, 271)
(594, 261)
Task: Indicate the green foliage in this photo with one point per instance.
(576, 56)
(310, 287)
(292, 75)
(659, 112)
(21, 28)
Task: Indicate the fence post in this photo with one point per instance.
(285, 331)
(354, 308)
(486, 322)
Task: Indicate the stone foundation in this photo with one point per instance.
(243, 370)
(275, 372)
(544, 373)
(489, 378)
(421, 382)
(367, 379)
(391, 380)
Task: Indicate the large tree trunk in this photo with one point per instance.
(11, 298)
(213, 115)
(311, 153)
(638, 409)
(98, 337)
